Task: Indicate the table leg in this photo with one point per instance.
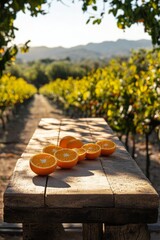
(92, 231)
(127, 232)
(41, 231)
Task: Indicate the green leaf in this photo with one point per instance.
(94, 8)
(97, 21)
(88, 21)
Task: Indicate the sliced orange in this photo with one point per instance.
(66, 158)
(51, 149)
(107, 146)
(43, 163)
(81, 153)
(74, 143)
(92, 150)
(63, 142)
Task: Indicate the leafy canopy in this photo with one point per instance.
(8, 13)
(126, 12)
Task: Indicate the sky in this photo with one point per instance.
(65, 25)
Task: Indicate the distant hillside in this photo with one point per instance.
(101, 50)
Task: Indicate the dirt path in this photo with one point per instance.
(18, 132)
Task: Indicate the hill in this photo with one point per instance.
(95, 51)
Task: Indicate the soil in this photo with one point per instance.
(21, 127)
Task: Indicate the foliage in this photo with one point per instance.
(125, 93)
(127, 13)
(41, 72)
(8, 13)
(64, 69)
(13, 91)
(36, 75)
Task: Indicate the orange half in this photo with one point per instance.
(92, 150)
(43, 163)
(51, 149)
(74, 143)
(107, 146)
(81, 153)
(66, 158)
(64, 140)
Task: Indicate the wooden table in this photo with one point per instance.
(109, 194)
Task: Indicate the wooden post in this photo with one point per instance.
(92, 231)
(41, 231)
(127, 232)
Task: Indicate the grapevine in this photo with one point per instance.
(13, 91)
(125, 93)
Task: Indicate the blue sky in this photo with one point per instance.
(65, 25)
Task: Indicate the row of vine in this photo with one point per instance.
(13, 91)
(126, 93)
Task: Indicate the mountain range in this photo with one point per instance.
(103, 50)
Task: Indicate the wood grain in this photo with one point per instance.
(92, 231)
(127, 232)
(130, 187)
(77, 128)
(45, 230)
(25, 188)
(83, 186)
(110, 215)
(111, 189)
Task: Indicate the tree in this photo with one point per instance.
(36, 75)
(127, 13)
(8, 13)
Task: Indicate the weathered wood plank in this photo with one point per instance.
(41, 231)
(25, 188)
(92, 231)
(99, 129)
(47, 132)
(77, 128)
(127, 232)
(110, 216)
(110, 189)
(84, 185)
(130, 187)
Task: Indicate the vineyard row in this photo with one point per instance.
(126, 93)
(13, 91)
